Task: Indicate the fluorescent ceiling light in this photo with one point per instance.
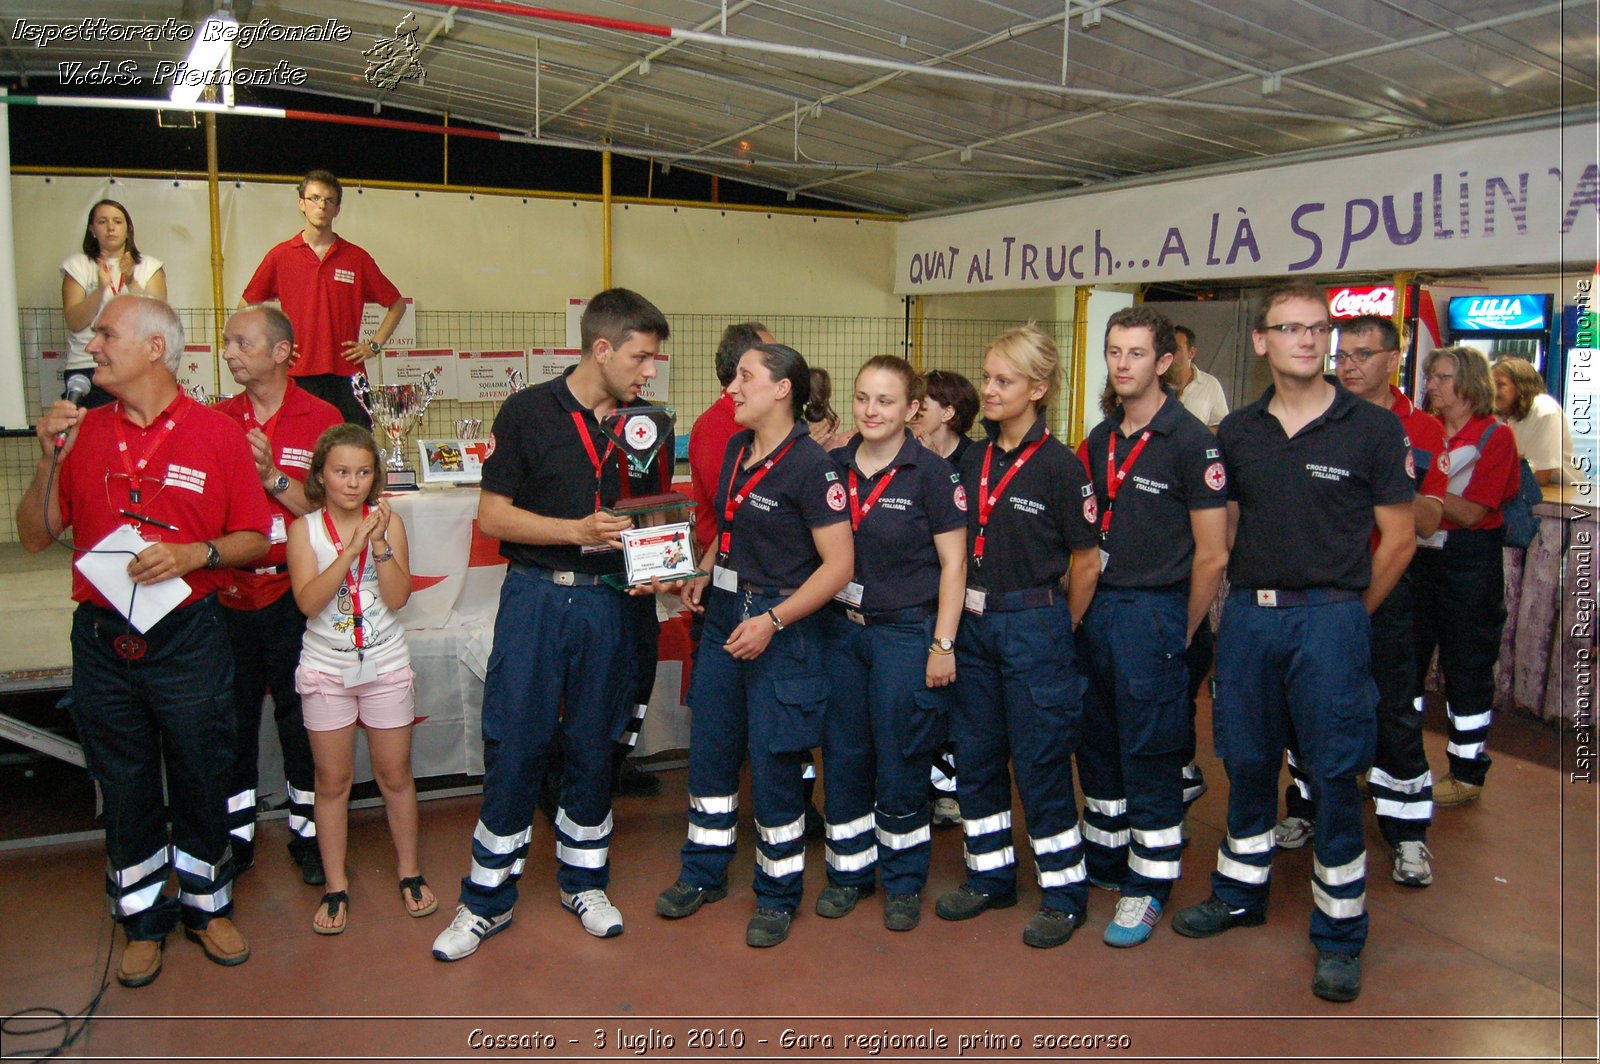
(213, 50)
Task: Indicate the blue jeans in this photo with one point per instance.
(171, 701)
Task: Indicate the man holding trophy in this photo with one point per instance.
(561, 456)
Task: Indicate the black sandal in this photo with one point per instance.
(337, 902)
(411, 891)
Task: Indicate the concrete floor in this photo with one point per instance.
(1495, 961)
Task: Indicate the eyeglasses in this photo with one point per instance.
(1360, 356)
(1294, 330)
(321, 201)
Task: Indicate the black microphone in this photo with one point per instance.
(78, 386)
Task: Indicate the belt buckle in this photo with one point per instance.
(856, 617)
(563, 578)
(1266, 598)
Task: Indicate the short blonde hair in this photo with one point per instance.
(1030, 351)
(1473, 380)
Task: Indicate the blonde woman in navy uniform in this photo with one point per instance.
(890, 637)
(782, 551)
(1030, 509)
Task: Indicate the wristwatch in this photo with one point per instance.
(279, 485)
(377, 348)
(213, 556)
(943, 646)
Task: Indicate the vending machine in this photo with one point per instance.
(1505, 325)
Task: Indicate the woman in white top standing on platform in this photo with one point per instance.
(349, 565)
(109, 265)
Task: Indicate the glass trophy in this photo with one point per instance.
(660, 545)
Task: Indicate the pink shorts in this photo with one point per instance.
(328, 705)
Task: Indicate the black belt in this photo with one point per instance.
(758, 589)
(909, 615)
(271, 570)
(1317, 596)
(559, 577)
(1010, 601)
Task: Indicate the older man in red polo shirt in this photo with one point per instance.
(153, 704)
(322, 281)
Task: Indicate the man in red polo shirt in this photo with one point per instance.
(708, 440)
(321, 281)
(181, 478)
(282, 422)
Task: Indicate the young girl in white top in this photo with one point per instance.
(349, 567)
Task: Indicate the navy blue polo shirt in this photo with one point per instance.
(1046, 512)
(539, 462)
(896, 563)
(1305, 503)
(1151, 542)
(772, 545)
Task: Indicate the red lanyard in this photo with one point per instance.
(857, 511)
(352, 578)
(1115, 476)
(986, 501)
(596, 459)
(135, 470)
(731, 506)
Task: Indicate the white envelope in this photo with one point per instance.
(106, 567)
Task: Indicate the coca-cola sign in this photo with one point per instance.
(1354, 302)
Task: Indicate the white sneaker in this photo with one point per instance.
(946, 812)
(468, 929)
(1411, 864)
(1293, 832)
(600, 918)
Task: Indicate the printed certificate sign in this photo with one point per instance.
(485, 376)
(575, 309)
(545, 363)
(198, 372)
(408, 366)
(452, 461)
(52, 377)
(405, 333)
(660, 552)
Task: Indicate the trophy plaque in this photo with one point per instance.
(395, 409)
(660, 546)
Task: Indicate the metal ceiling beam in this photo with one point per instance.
(1301, 68)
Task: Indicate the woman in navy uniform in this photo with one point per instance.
(782, 550)
(1031, 508)
(890, 638)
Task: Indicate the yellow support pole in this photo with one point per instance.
(1401, 282)
(214, 202)
(605, 219)
(1080, 354)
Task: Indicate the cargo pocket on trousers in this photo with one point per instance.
(928, 719)
(1057, 712)
(1159, 706)
(799, 702)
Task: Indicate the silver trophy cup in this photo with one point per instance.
(395, 409)
(469, 428)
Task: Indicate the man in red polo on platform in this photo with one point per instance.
(321, 281)
(708, 440)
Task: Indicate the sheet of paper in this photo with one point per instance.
(109, 574)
